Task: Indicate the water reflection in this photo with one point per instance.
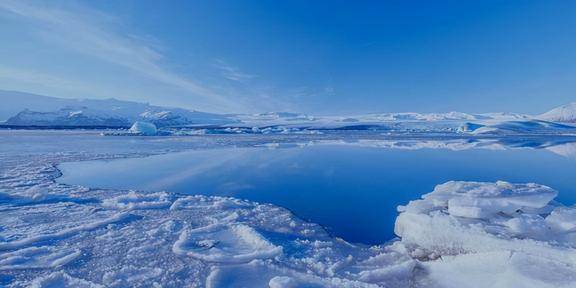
(351, 187)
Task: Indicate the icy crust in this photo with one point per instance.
(55, 235)
(463, 234)
(472, 234)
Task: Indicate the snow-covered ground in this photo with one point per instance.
(463, 234)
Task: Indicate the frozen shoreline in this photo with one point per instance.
(56, 234)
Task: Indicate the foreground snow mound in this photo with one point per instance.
(507, 235)
(225, 244)
(143, 128)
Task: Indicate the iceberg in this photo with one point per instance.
(143, 128)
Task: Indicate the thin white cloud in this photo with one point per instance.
(231, 72)
(99, 35)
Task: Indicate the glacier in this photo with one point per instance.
(462, 234)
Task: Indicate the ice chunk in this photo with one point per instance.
(143, 128)
(491, 235)
(482, 200)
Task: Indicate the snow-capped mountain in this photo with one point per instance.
(565, 113)
(36, 110)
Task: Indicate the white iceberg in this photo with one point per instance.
(143, 128)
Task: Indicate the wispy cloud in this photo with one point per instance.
(102, 36)
(231, 72)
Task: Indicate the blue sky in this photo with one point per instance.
(320, 57)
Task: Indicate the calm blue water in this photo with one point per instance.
(353, 191)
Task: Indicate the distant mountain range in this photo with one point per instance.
(35, 110)
(25, 109)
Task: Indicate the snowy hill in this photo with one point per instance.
(449, 116)
(35, 110)
(565, 113)
(518, 128)
(379, 119)
(392, 122)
